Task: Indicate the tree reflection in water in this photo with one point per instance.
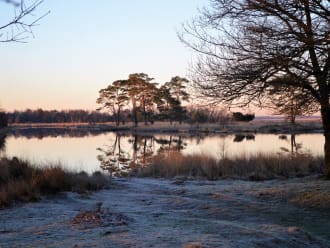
(113, 158)
(241, 137)
(119, 162)
(2, 144)
(295, 148)
(170, 143)
(142, 152)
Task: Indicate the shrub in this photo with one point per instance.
(238, 116)
(21, 182)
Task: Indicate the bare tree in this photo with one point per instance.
(243, 45)
(19, 27)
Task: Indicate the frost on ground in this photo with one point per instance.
(172, 213)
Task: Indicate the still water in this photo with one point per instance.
(91, 151)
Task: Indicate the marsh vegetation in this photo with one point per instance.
(257, 167)
(20, 181)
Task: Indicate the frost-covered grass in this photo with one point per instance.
(257, 167)
(21, 182)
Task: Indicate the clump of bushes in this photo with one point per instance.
(22, 182)
(257, 167)
(238, 116)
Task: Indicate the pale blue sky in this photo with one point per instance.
(84, 45)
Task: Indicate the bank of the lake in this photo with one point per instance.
(313, 125)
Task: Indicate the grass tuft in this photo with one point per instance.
(22, 182)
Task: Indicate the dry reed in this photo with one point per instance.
(257, 167)
(22, 182)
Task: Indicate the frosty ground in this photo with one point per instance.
(173, 213)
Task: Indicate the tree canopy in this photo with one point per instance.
(140, 94)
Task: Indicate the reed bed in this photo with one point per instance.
(257, 167)
(22, 182)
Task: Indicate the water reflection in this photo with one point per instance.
(138, 150)
(120, 152)
(117, 161)
(2, 144)
(113, 158)
(295, 148)
(171, 143)
(241, 137)
(41, 133)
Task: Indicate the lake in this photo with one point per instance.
(87, 151)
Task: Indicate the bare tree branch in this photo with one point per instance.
(245, 46)
(20, 26)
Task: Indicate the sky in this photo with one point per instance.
(84, 45)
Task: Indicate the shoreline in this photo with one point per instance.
(257, 126)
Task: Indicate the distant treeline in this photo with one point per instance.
(191, 115)
(3, 120)
(55, 116)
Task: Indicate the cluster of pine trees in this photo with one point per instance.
(144, 100)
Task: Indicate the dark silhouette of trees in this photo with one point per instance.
(55, 116)
(141, 93)
(20, 26)
(145, 93)
(238, 116)
(146, 101)
(177, 88)
(114, 98)
(168, 106)
(243, 45)
(170, 96)
(3, 120)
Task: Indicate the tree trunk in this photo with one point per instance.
(145, 115)
(117, 116)
(325, 113)
(294, 149)
(135, 119)
(119, 111)
(134, 153)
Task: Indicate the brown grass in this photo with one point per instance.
(313, 199)
(258, 167)
(22, 182)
